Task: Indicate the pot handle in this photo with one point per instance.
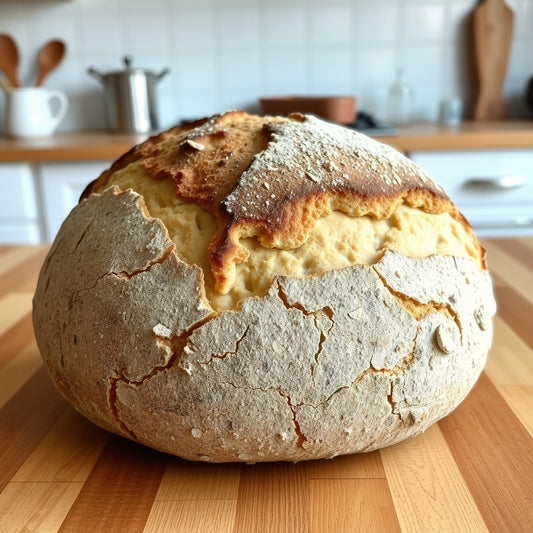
(162, 74)
(96, 74)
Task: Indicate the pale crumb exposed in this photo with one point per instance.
(337, 240)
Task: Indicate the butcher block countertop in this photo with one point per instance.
(470, 472)
(86, 146)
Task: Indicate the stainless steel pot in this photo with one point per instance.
(130, 98)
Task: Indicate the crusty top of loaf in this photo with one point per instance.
(272, 177)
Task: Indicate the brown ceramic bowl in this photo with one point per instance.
(341, 109)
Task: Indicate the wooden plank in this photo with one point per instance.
(5, 248)
(364, 465)
(509, 368)
(119, 490)
(18, 371)
(14, 256)
(35, 507)
(272, 497)
(23, 277)
(15, 338)
(68, 452)
(185, 480)
(519, 249)
(13, 307)
(494, 453)
(520, 400)
(509, 359)
(426, 483)
(527, 242)
(512, 271)
(351, 505)
(191, 516)
(516, 310)
(24, 420)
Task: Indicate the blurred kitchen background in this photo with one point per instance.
(225, 54)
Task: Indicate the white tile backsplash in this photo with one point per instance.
(423, 22)
(285, 27)
(238, 29)
(227, 53)
(330, 24)
(331, 69)
(375, 23)
(286, 71)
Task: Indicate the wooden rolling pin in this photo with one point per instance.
(492, 33)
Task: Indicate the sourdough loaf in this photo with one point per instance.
(248, 288)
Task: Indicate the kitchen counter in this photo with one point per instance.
(472, 471)
(80, 146)
(75, 146)
(466, 136)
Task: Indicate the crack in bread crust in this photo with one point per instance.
(272, 178)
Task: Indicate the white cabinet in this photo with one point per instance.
(493, 189)
(20, 221)
(35, 199)
(61, 187)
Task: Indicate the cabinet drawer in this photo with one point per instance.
(62, 185)
(17, 190)
(19, 233)
(494, 189)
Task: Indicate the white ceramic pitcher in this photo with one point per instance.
(33, 112)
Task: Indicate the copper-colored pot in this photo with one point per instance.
(341, 109)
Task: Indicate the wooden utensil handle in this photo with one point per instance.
(492, 28)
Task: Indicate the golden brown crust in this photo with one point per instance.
(272, 178)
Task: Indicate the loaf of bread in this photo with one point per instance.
(247, 288)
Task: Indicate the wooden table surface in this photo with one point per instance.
(472, 471)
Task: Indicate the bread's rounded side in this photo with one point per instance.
(305, 371)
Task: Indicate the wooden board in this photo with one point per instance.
(470, 472)
(492, 31)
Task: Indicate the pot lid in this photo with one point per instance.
(128, 71)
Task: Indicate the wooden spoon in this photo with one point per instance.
(9, 59)
(50, 55)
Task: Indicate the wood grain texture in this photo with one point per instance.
(18, 370)
(426, 483)
(512, 267)
(192, 516)
(13, 307)
(470, 472)
(509, 368)
(29, 507)
(494, 453)
(515, 307)
(273, 497)
(23, 278)
(24, 420)
(351, 505)
(120, 490)
(15, 338)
